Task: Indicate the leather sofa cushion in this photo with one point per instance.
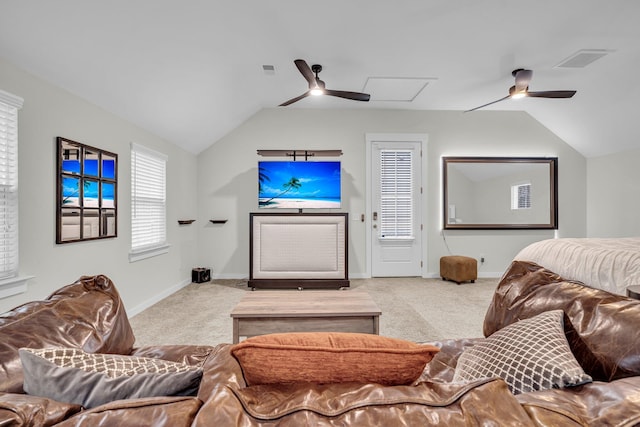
(20, 410)
(601, 327)
(329, 357)
(616, 403)
(87, 314)
(228, 402)
(166, 411)
(423, 404)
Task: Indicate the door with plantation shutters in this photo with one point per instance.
(396, 244)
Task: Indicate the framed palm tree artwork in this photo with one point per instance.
(299, 184)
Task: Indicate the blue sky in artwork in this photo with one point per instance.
(91, 167)
(108, 169)
(108, 191)
(70, 187)
(318, 179)
(72, 166)
(91, 189)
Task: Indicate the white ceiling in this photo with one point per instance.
(190, 71)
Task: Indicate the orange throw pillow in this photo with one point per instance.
(331, 357)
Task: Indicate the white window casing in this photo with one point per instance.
(148, 203)
(10, 282)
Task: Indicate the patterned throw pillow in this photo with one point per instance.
(531, 354)
(72, 375)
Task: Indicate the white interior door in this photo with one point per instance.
(395, 213)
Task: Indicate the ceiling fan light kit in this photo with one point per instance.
(521, 89)
(317, 87)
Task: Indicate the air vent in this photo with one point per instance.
(583, 57)
(269, 70)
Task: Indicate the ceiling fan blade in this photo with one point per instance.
(305, 70)
(552, 94)
(296, 99)
(485, 105)
(356, 96)
(523, 78)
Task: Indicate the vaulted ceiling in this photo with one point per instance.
(190, 71)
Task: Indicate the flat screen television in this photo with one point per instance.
(299, 184)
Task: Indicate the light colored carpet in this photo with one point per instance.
(415, 309)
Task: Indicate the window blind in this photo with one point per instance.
(396, 190)
(148, 194)
(521, 196)
(9, 106)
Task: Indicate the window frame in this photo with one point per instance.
(146, 157)
(516, 200)
(11, 283)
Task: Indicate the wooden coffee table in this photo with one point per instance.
(267, 312)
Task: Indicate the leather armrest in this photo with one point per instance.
(598, 403)
(177, 411)
(25, 410)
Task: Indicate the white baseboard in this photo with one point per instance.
(234, 276)
(157, 298)
(240, 276)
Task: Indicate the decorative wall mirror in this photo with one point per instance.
(87, 190)
(500, 193)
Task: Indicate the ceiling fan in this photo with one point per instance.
(317, 87)
(521, 89)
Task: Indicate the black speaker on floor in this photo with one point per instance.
(200, 275)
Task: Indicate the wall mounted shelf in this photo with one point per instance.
(185, 221)
(218, 221)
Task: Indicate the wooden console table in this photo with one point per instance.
(266, 312)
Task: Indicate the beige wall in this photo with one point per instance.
(493, 198)
(227, 178)
(222, 183)
(613, 198)
(49, 112)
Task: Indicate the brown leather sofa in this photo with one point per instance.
(601, 329)
(87, 314)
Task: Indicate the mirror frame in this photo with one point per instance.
(82, 169)
(553, 193)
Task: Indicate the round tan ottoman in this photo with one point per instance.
(458, 268)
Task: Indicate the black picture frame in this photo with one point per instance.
(86, 192)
